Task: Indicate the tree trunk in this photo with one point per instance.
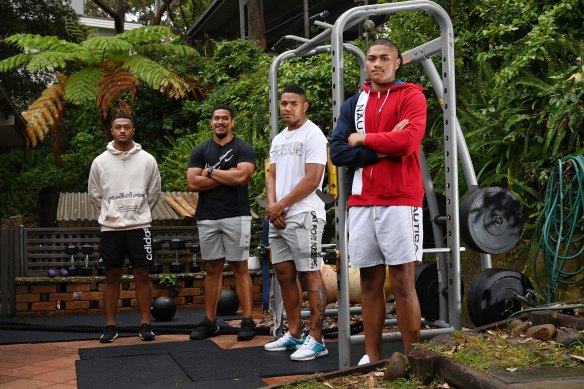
(119, 14)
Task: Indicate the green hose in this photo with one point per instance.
(559, 228)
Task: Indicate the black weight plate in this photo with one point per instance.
(427, 290)
(497, 297)
(429, 239)
(473, 302)
(491, 220)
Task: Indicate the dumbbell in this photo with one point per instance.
(155, 268)
(176, 266)
(72, 250)
(195, 249)
(86, 271)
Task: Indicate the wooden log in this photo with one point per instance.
(180, 210)
(184, 203)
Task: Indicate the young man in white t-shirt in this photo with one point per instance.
(298, 156)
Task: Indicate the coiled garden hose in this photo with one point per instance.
(559, 228)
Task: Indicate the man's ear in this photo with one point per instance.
(305, 106)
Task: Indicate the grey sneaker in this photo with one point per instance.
(205, 329)
(146, 332)
(247, 329)
(109, 334)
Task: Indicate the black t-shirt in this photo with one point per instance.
(223, 201)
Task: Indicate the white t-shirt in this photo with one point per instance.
(290, 152)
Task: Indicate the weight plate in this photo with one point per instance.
(494, 297)
(427, 290)
(473, 300)
(491, 220)
(429, 239)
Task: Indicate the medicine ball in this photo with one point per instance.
(228, 303)
(163, 308)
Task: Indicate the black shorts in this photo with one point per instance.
(136, 245)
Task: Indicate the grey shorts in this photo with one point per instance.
(390, 235)
(227, 238)
(300, 241)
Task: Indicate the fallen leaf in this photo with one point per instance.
(578, 357)
(511, 369)
(328, 385)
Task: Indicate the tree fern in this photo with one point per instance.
(148, 34)
(83, 85)
(166, 49)
(15, 61)
(115, 84)
(29, 42)
(107, 45)
(49, 60)
(44, 113)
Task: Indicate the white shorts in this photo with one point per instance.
(227, 238)
(390, 235)
(300, 241)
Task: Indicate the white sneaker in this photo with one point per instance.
(309, 350)
(286, 342)
(364, 360)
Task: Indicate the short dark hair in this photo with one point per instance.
(225, 107)
(388, 43)
(122, 115)
(292, 88)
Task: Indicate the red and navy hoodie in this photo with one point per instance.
(396, 177)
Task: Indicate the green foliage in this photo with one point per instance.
(82, 86)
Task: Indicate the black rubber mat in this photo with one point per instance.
(203, 363)
(143, 371)
(83, 327)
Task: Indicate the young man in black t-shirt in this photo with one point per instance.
(220, 170)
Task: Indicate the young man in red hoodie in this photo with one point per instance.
(378, 137)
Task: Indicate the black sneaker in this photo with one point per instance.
(247, 329)
(205, 329)
(146, 332)
(109, 334)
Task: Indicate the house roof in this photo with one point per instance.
(173, 208)
(221, 19)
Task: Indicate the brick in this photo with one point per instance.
(257, 297)
(228, 282)
(22, 289)
(79, 304)
(199, 283)
(127, 294)
(21, 307)
(256, 288)
(93, 296)
(28, 298)
(46, 288)
(179, 300)
(78, 287)
(46, 306)
(199, 301)
(190, 292)
(60, 297)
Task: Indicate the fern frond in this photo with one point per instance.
(115, 84)
(83, 85)
(39, 42)
(49, 60)
(147, 34)
(75, 31)
(43, 113)
(166, 49)
(157, 76)
(15, 61)
(107, 45)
